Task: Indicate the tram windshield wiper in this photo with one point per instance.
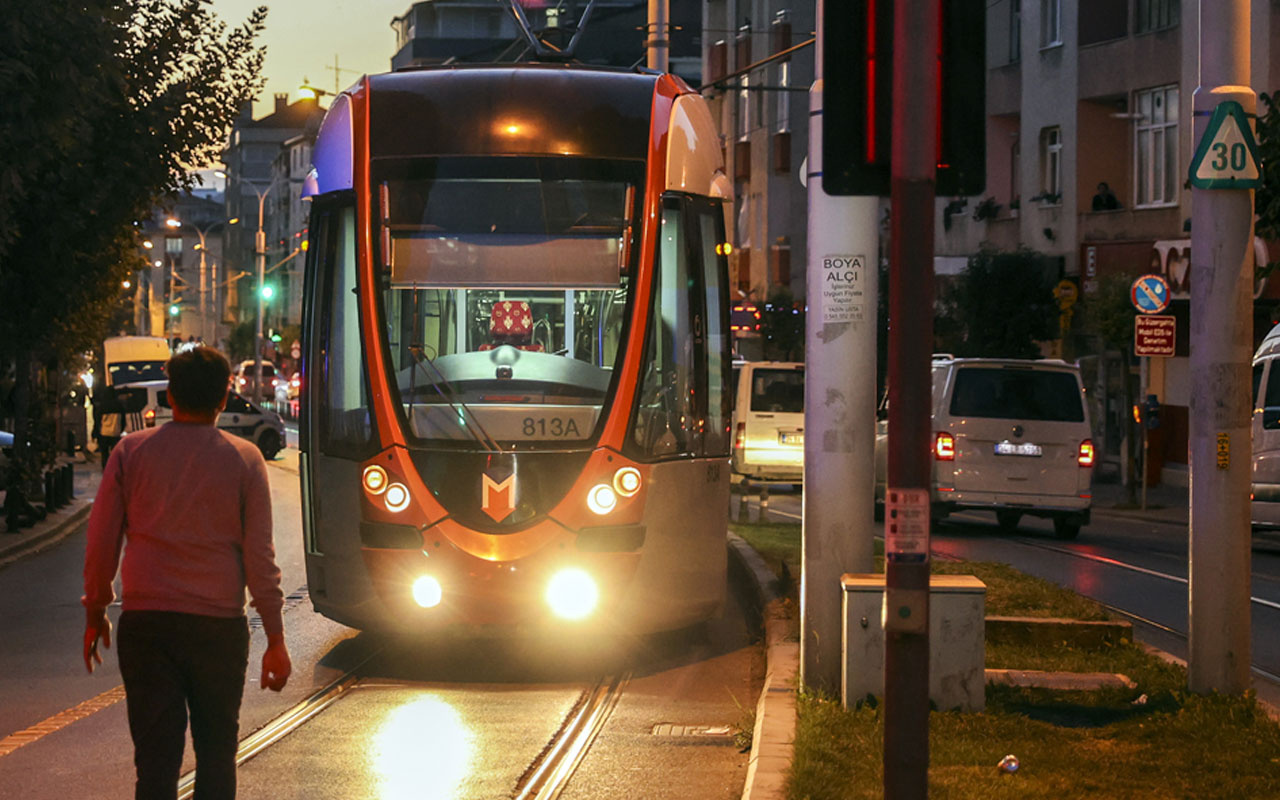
(458, 405)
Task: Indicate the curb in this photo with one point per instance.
(66, 520)
(772, 741)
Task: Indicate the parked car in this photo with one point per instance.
(242, 417)
(245, 379)
(1265, 433)
(1010, 436)
(768, 421)
(6, 449)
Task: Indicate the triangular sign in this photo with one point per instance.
(1227, 156)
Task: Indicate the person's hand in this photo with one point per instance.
(276, 666)
(96, 626)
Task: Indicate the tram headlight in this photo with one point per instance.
(375, 479)
(572, 594)
(427, 592)
(626, 481)
(396, 497)
(602, 499)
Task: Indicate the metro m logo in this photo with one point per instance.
(498, 499)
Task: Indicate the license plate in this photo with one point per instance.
(1017, 449)
(791, 438)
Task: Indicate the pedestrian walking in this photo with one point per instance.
(191, 507)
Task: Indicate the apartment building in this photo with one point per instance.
(1088, 92)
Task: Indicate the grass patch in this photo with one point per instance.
(1100, 744)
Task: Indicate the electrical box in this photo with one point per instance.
(957, 640)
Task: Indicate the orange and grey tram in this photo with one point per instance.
(516, 352)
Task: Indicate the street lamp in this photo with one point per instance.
(202, 232)
(260, 249)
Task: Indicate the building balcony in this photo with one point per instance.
(1128, 224)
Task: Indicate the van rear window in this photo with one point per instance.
(777, 391)
(1030, 394)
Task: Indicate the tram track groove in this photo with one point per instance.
(548, 775)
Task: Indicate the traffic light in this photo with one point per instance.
(1151, 412)
(268, 291)
(857, 105)
(174, 309)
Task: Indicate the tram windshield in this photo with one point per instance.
(508, 288)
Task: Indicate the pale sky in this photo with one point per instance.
(303, 37)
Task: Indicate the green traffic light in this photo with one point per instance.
(173, 310)
(267, 292)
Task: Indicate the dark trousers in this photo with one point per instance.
(170, 663)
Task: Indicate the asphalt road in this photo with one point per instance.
(1136, 566)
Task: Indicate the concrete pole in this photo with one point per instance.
(840, 404)
(260, 248)
(916, 36)
(204, 310)
(659, 44)
(1221, 339)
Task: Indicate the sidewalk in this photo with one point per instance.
(61, 522)
(1165, 503)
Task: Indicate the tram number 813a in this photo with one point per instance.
(556, 427)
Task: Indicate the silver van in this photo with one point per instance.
(1010, 436)
(1265, 433)
(768, 421)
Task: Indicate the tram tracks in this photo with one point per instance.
(544, 779)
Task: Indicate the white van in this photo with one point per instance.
(132, 359)
(1010, 436)
(147, 406)
(768, 417)
(1265, 432)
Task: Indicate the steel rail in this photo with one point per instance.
(550, 773)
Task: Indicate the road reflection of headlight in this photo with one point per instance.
(427, 592)
(601, 499)
(572, 594)
(423, 748)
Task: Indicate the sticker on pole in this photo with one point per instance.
(1227, 156)
(843, 295)
(906, 525)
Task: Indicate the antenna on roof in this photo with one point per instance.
(539, 41)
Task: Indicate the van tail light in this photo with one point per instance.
(944, 447)
(1085, 456)
(740, 436)
(149, 418)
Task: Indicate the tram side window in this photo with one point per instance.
(715, 271)
(345, 422)
(668, 421)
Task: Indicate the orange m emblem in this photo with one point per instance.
(498, 500)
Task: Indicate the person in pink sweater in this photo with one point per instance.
(191, 507)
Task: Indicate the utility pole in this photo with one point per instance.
(840, 401)
(916, 40)
(659, 43)
(1221, 338)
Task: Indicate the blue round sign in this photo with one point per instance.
(1150, 294)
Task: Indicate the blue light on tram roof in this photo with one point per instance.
(333, 155)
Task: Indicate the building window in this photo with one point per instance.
(784, 97)
(1155, 15)
(1156, 147)
(744, 107)
(1051, 158)
(1015, 31)
(1050, 23)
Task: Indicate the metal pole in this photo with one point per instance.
(260, 247)
(203, 307)
(659, 44)
(916, 39)
(839, 443)
(1146, 434)
(1221, 335)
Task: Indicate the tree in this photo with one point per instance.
(1267, 197)
(1001, 305)
(108, 104)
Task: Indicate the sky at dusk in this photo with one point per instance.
(303, 37)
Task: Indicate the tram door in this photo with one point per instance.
(337, 428)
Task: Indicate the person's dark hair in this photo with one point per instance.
(198, 379)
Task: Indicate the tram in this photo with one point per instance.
(516, 352)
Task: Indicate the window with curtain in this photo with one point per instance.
(1156, 147)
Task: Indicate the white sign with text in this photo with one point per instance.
(843, 295)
